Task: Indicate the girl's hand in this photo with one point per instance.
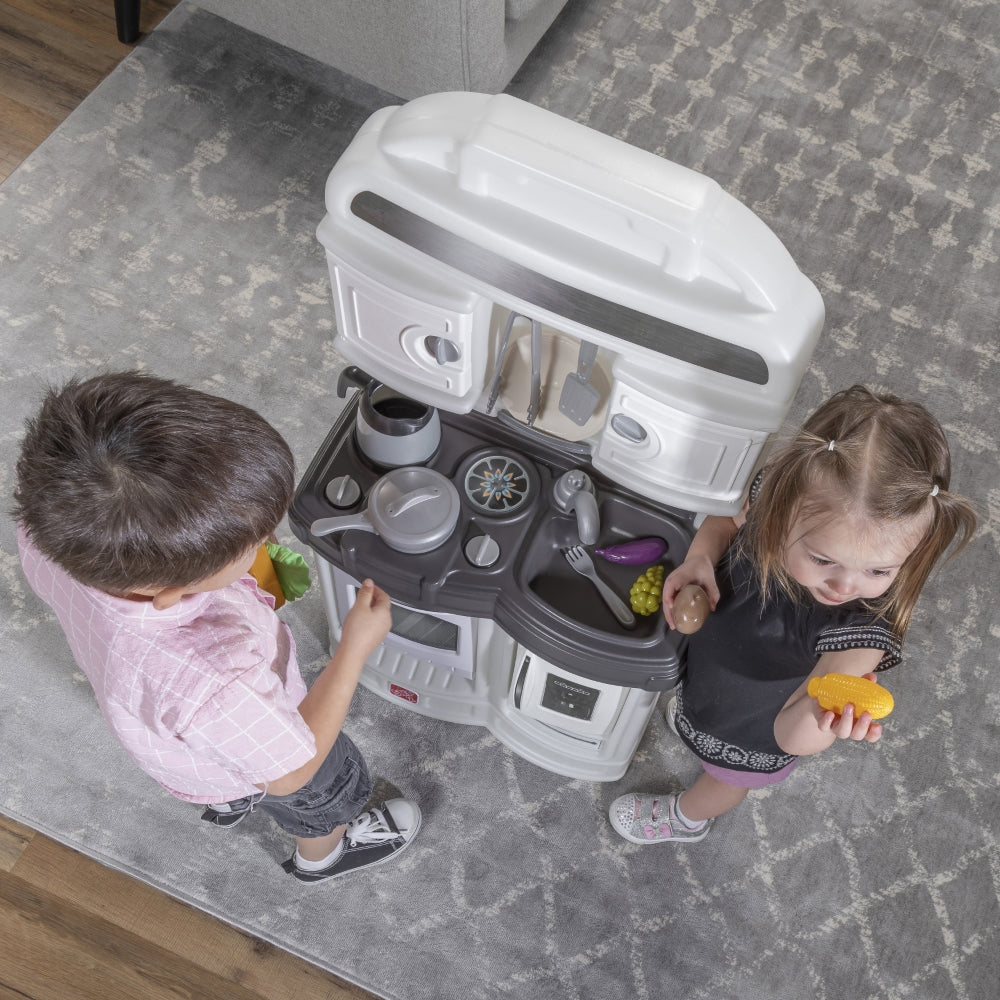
(696, 570)
(847, 727)
(368, 622)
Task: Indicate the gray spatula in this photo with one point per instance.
(579, 398)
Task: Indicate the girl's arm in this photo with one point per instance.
(713, 537)
(803, 728)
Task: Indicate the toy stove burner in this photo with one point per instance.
(498, 483)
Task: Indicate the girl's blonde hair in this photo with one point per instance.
(873, 455)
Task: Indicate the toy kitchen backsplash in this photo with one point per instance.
(558, 342)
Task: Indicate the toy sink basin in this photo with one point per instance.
(542, 572)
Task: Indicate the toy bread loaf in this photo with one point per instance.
(835, 691)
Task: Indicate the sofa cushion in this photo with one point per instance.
(516, 9)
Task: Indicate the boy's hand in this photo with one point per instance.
(368, 622)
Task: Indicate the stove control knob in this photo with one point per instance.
(343, 492)
(482, 550)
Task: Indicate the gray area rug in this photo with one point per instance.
(169, 224)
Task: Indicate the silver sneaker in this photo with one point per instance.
(645, 818)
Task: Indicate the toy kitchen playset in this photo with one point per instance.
(558, 343)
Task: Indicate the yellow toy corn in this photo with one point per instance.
(835, 691)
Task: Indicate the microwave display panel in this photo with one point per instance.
(567, 698)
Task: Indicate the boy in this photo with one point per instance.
(141, 504)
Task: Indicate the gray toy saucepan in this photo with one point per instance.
(412, 509)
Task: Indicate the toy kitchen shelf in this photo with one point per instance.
(447, 214)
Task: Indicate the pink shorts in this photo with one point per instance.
(748, 779)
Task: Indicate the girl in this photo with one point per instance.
(819, 573)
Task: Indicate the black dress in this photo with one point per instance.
(748, 658)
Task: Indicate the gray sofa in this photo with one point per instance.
(406, 47)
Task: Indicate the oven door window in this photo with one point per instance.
(438, 638)
(424, 629)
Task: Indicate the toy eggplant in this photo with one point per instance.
(835, 692)
(634, 553)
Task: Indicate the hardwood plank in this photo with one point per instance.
(136, 909)
(92, 20)
(14, 838)
(11, 157)
(52, 54)
(54, 951)
(46, 67)
(23, 125)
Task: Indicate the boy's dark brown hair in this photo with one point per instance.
(130, 481)
(888, 462)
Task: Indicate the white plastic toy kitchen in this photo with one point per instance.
(556, 341)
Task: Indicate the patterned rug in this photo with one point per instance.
(169, 224)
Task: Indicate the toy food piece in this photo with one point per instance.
(279, 571)
(647, 591)
(691, 608)
(835, 691)
(635, 552)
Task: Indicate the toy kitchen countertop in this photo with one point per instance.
(503, 560)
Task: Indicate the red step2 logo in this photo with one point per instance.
(405, 693)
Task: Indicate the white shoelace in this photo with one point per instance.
(370, 828)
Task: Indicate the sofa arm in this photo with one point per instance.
(407, 48)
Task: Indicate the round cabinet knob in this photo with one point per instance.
(343, 492)
(482, 551)
(628, 428)
(445, 352)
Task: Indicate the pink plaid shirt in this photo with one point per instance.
(203, 696)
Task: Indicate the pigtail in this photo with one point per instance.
(952, 528)
(955, 518)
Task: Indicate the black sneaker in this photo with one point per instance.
(375, 836)
(233, 813)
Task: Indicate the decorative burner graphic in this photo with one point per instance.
(498, 483)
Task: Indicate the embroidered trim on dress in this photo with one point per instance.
(834, 640)
(717, 751)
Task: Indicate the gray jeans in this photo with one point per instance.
(334, 795)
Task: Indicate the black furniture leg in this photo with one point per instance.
(127, 20)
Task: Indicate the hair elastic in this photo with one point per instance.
(934, 492)
(829, 447)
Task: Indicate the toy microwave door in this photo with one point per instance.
(410, 327)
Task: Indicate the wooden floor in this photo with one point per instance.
(71, 929)
(52, 54)
(74, 930)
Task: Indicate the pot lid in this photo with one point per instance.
(413, 509)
